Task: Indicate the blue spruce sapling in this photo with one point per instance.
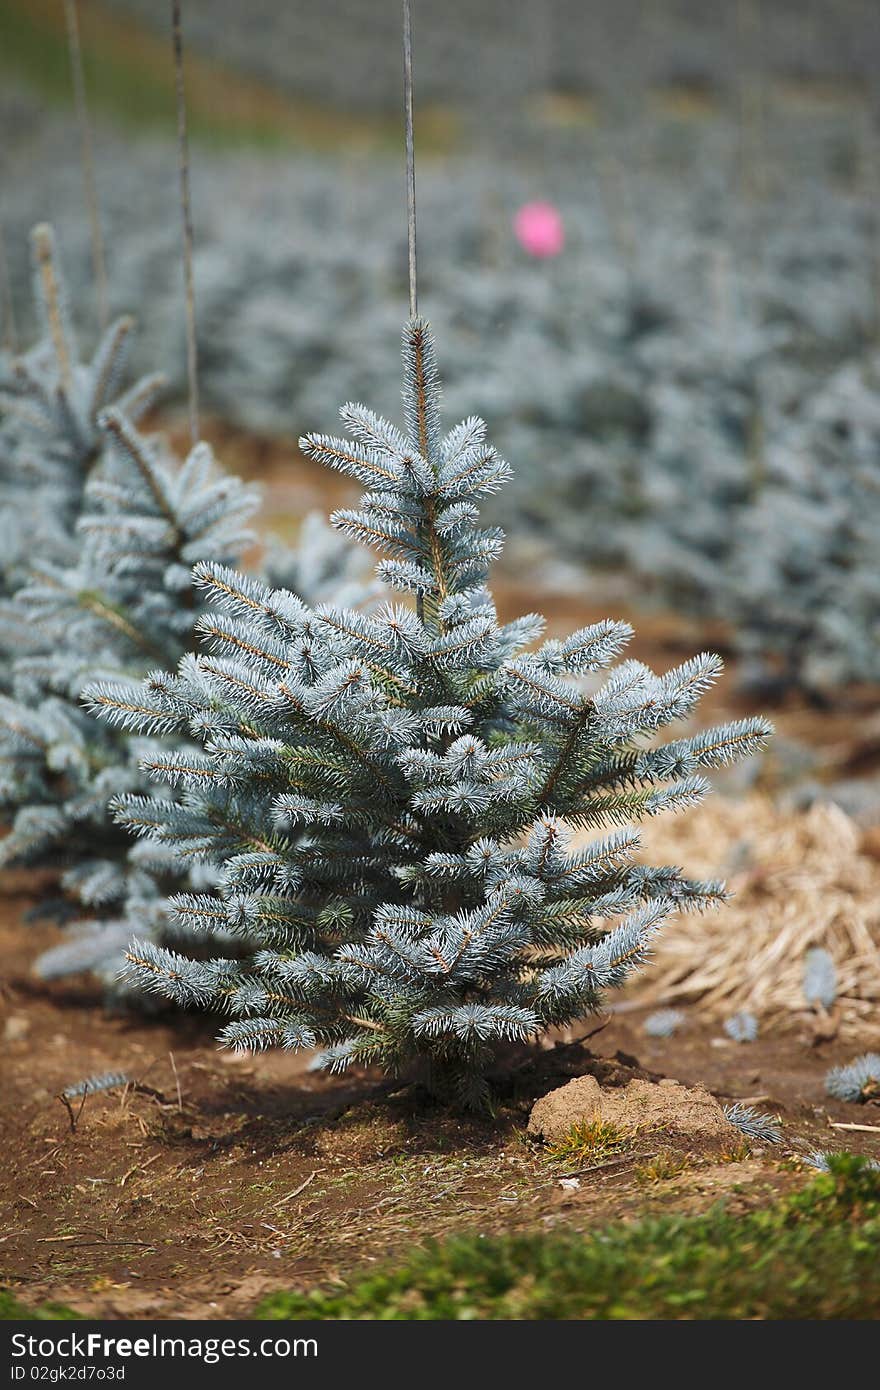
(100, 527)
(51, 401)
(127, 605)
(858, 1080)
(392, 795)
(122, 606)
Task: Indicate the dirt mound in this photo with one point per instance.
(641, 1106)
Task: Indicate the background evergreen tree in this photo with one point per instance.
(51, 401)
(391, 795)
(124, 605)
(108, 525)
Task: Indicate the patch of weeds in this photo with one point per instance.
(12, 1310)
(663, 1167)
(587, 1142)
(813, 1255)
(737, 1152)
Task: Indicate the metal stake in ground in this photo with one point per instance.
(410, 191)
(99, 265)
(186, 216)
(410, 158)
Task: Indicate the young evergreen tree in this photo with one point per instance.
(391, 795)
(51, 401)
(125, 604)
(101, 527)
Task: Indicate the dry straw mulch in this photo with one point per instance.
(799, 879)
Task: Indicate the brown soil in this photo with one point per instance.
(218, 1180)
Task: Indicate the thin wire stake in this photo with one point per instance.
(99, 263)
(410, 158)
(7, 308)
(186, 214)
(410, 196)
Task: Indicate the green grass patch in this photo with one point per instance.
(588, 1141)
(12, 1310)
(663, 1167)
(815, 1254)
(738, 1151)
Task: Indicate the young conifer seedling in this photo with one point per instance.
(123, 602)
(392, 795)
(51, 400)
(858, 1080)
(126, 604)
(101, 527)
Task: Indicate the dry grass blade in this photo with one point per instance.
(297, 1190)
(864, 1129)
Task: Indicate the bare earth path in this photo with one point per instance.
(256, 1174)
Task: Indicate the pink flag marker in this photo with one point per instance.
(538, 229)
